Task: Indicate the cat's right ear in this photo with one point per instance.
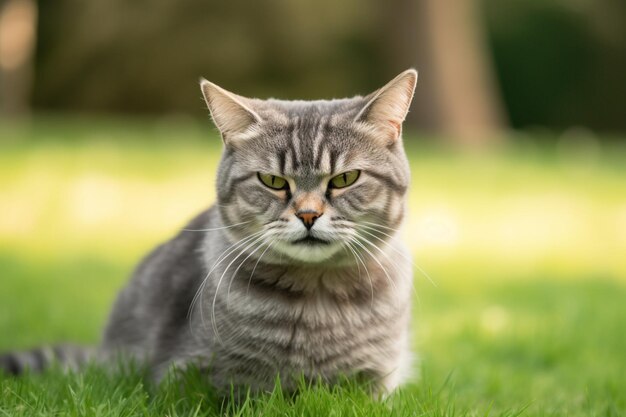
(231, 113)
(387, 107)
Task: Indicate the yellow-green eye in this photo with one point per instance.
(274, 182)
(345, 179)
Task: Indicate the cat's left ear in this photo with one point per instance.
(232, 114)
(387, 107)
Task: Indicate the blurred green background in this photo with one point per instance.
(517, 211)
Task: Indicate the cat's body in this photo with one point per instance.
(296, 270)
(315, 321)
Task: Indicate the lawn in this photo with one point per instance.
(520, 285)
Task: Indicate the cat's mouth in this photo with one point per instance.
(311, 240)
(309, 248)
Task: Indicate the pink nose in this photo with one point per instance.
(308, 217)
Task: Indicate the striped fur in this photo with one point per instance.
(246, 290)
(38, 359)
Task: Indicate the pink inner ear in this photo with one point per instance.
(397, 126)
(393, 133)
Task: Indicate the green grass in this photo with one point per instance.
(524, 244)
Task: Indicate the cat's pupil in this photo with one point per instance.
(345, 180)
(273, 179)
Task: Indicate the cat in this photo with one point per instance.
(296, 271)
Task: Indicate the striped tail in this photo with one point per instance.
(39, 359)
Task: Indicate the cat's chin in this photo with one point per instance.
(309, 252)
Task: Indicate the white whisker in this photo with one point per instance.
(216, 228)
(356, 241)
(422, 271)
(388, 257)
(379, 225)
(257, 264)
(358, 258)
(219, 282)
(266, 235)
(219, 260)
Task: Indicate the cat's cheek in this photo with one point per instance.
(350, 205)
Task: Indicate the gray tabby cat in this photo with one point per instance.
(296, 270)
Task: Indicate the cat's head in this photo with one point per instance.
(313, 181)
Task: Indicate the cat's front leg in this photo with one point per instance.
(398, 372)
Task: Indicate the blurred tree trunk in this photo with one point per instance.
(18, 23)
(457, 94)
